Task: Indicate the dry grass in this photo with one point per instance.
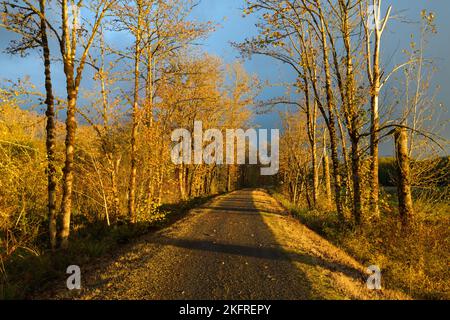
(415, 261)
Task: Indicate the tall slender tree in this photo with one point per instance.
(374, 25)
(38, 37)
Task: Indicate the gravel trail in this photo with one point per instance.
(241, 245)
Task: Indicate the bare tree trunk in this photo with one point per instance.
(69, 60)
(374, 180)
(356, 181)
(352, 112)
(374, 76)
(205, 183)
(115, 190)
(374, 128)
(315, 172)
(347, 167)
(187, 185)
(331, 122)
(311, 118)
(336, 174)
(149, 88)
(181, 182)
(160, 186)
(134, 129)
(326, 172)
(103, 190)
(308, 196)
(66, 206)
(210, 180)
(229, 173)
(346, 91)
(68, 51)
(190, 179)
(311, 124)
(405, 203)
(50, 130)
(296, 188)
(329, 114)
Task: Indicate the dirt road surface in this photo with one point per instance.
(241, 245)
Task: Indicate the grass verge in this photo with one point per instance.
(415, 262)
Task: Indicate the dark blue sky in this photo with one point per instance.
(233, 27)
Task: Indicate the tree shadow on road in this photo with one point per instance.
(228, 252)
(254, 241)
(270, 253)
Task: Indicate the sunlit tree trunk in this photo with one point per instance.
(352, 111)
(160, 186)
(149, 87)
(405, 203)
(311, 123)
(374, 76)
(348, 197)
(331, 120)
(356, 170)
(69, 42)
(230, 177)
(326, 172)
(374, 136)
(135, 119)
(114, 187)
(68, 61)
(181, 182)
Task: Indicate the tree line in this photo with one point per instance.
(344, 103)
(109, 162)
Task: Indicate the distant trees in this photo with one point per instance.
(160, 30)
(239, 93)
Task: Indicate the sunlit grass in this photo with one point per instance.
(415, 261)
